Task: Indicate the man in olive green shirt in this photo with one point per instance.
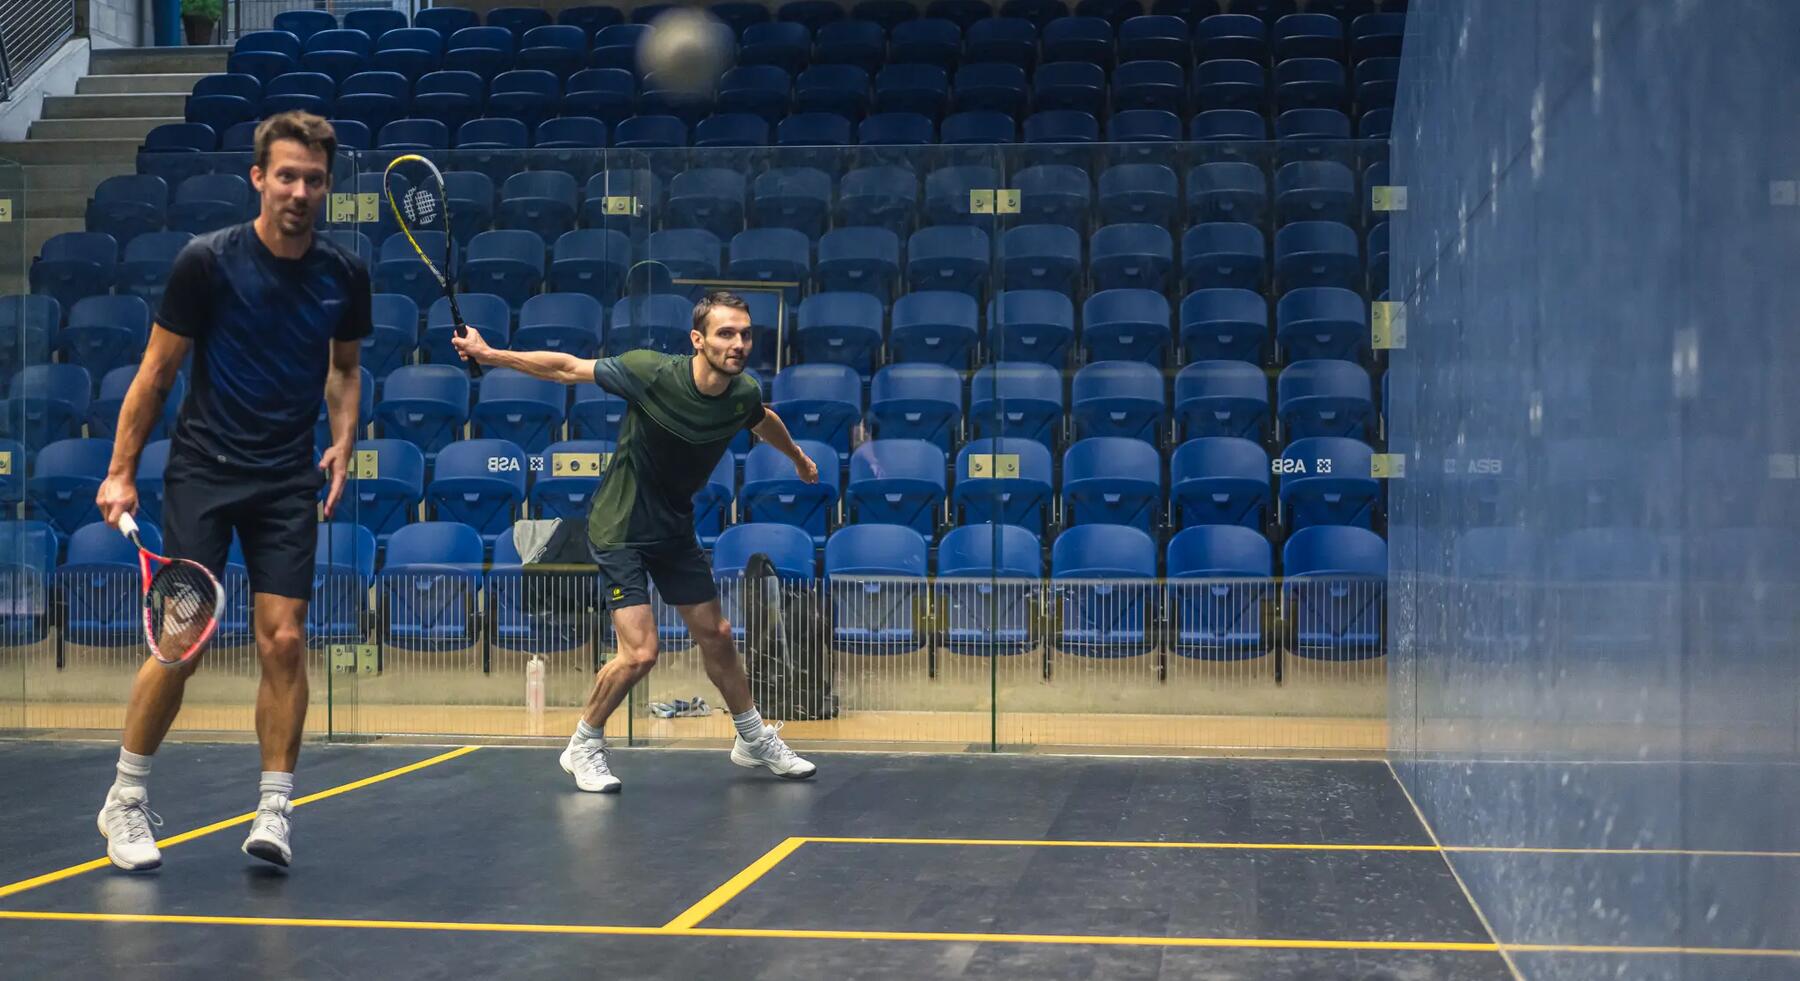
(683, 411)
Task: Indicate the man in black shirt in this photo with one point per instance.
(275, 317)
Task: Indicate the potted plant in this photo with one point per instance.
(199, 17)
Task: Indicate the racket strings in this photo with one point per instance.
(183, 601)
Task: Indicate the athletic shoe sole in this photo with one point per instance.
(751, 762)
(268, 851)
(611, 788)
(100, 820)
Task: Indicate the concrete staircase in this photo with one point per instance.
(82, 139)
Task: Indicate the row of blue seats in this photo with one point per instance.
(768, 93)
(564, 49)
(434, 580)
(814, 15)
(487, 482)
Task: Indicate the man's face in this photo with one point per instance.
(726, 343)
(293, 187)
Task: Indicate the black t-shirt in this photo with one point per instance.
(262, 328)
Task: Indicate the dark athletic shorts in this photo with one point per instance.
(679, 568)
(276, 518)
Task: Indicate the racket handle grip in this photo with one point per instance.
(127, 524)
(462, 330)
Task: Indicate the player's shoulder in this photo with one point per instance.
(746, 385)
(335, 253)
(211, 245)
(646, 363)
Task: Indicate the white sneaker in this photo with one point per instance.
(268, 838)
(586, 760)
(771, 752)
(125, 822)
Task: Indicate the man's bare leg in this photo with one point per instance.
(757, 744)
(280, 720)
(585, 757)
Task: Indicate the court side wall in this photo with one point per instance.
(1594, 548)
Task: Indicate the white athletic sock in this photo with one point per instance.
(749, 725)
(585, 733)
(275, 782)
(133, 769)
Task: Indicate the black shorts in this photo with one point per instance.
(679, 568)
(276, 518)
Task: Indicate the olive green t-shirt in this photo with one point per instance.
(670, 440)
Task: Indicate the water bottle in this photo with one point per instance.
(534, 692)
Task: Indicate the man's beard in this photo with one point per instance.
(723, 366)
(292, 223)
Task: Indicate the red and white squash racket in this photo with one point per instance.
(182, 601)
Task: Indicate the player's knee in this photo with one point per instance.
(718, 638)
(641, 656)
(284, 642)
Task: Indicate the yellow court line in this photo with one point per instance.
(692, 916)
(581, 929)
(100, 863)
(1304, 846)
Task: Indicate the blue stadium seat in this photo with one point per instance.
(1317, 253)
(789, 549)
(65, 476)
(1231, 36)
(814, 129)
(813, 14)
(1031, 325)
(374, 22)
(529, 96)
(925, 41)
(446, 20)
(424, 404)
(1310, 35)
(763, 91)
(1071, 90)
(29, 551)
(954, 258)
(508, 263)
(72, 265)
(1311, 134)
(592, 262)
(884, 197)
(1131, 256)
(343, 571)
(485, 312)
(860, 260)
(797, 198)
(978, 128)
(650, 132)
(152, 463)
(1325, 398)
(1005, 40)
(896, 129)
(1219, 480)
(429, 586)
(1316, 190)
(415, 135)
(571, 472)
(1222, 398)
(1335, 592)
(850, 42)
(1054, 194)
(1218, 591)
(1325, 480)
(1228, 191)
(1147, 130)
(1157, 85)
(144, 269)
(823, 92)
(910, 88)
(659, 321)
(542, 202)
(772, 492)
(521, 21)
(771, 255)
(897, 482)
(1118, 398)
(1377, 36)
(1035, 12)
(469, 195)
(353, 242)
(27, 322)
(987, 580)
(220, 112)
(519, 409)
(1114, 12)
(1139, 192)
(712, 505)
(591, 18)
(103, 411)
(1377, 251)
(567, 322)
(306, 91)
(991, 87)
(1377, 80)
(1227, 128)
(783, 44)
(479, 483)
(1224, 324)
(890, 14)
(1105, 579)
(1004, 480)
(210, 201)
(1018, 399)
(104, 332)
(264, 54)
(1126, 325)
(1040, 258)
(1224, 255)
(387, 497)
(1310, 83)
(877, 574)
(594, 414)
(820, 402)
(485, 51)
(558, 49)
(1078, 39)
(494, 147)
(395, 336)
(338, 54)
(575, 142)
(303, 24)
(606, 94)
(410, 52)
(451, 98)
(615, 46)
(1323, 322)
(98, 588)
(621, 200)
(710, 198)
(1112, 481)
(934, 326)
(1154, 38)
(128, 205)
(917, 401)
(731, 129)
(46, 402)
(841, 328)
(686, 253)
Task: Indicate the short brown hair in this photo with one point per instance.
(304, 128)
(714, 300)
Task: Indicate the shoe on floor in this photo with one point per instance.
(770, 751)
(127, 822)
(268, 839)
(585, 760)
